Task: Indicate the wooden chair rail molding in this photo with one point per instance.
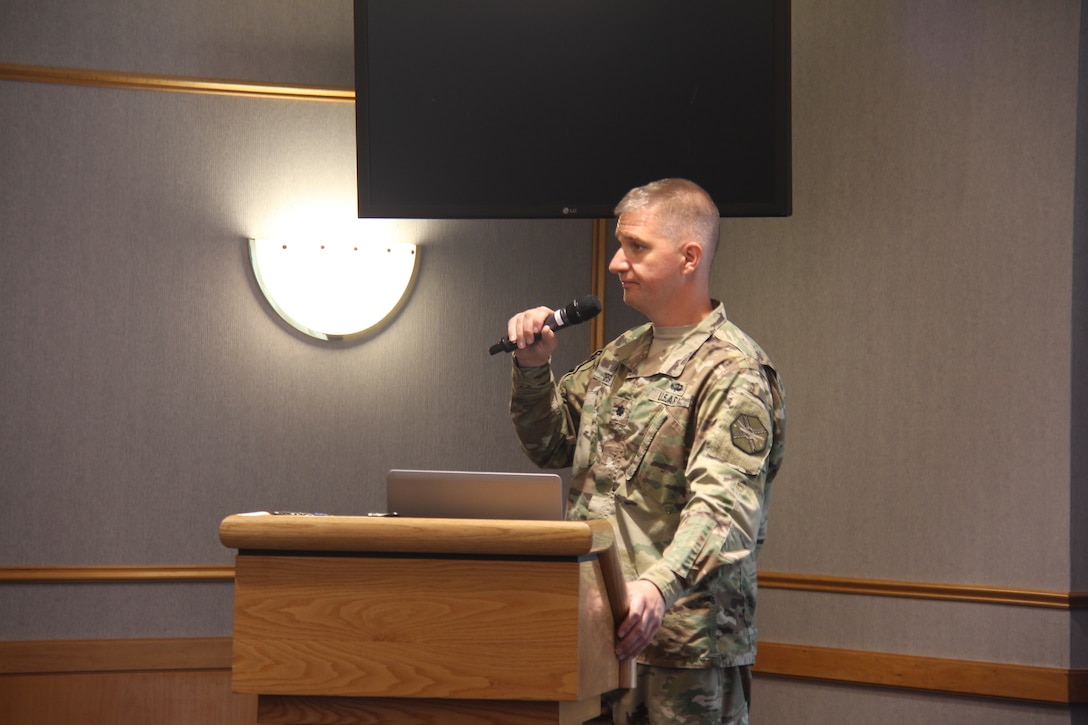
(767, 580)
(180, 84)
(103, 574)
(931, 674)
(921, 590)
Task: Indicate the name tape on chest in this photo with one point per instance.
(674, 396)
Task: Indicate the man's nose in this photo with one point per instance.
(618, 263)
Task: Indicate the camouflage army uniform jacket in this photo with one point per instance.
(679, 457)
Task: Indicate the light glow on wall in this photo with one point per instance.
(336, 288)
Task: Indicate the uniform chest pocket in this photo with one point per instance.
(656, 470)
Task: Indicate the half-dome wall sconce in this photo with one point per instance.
(334, 289)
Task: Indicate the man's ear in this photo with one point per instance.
(693, 257)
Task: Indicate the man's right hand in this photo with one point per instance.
(645, 611)
(523, 328)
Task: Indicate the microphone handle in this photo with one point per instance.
(557, 322)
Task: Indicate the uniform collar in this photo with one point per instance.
(631, 347)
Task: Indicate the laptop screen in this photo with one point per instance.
(476, 495)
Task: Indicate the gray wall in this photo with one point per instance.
(920, 304)
(925, 303)
(148, 391)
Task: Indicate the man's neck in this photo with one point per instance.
(683, 315)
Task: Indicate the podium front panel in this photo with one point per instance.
(417, 626)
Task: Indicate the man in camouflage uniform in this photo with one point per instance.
(674, 432)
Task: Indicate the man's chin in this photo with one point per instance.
(631, 300)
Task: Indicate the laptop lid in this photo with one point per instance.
(476, 495)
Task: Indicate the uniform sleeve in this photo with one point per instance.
(546, 415)
(726, 474)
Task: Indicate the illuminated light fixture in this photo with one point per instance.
(335, 289)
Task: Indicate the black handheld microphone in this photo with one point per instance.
(577, 311)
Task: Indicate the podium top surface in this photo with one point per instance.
(265, 531)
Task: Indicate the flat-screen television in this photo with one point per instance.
(555, 108)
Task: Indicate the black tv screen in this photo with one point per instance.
(555, 108)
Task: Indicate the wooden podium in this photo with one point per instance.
(355, 619)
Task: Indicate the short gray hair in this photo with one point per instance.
(686, 209)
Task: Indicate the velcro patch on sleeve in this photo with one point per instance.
(749, 434)
(742, 436)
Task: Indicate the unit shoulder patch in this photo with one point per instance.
(749, 434)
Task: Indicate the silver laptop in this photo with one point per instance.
(476, 495)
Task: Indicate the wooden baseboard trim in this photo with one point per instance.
(931, 674)
(180, 84)
(849, 667)
(114, 655)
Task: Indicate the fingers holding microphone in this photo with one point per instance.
(534, 338)
(525, 330)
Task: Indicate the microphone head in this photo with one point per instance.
(582, 309)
